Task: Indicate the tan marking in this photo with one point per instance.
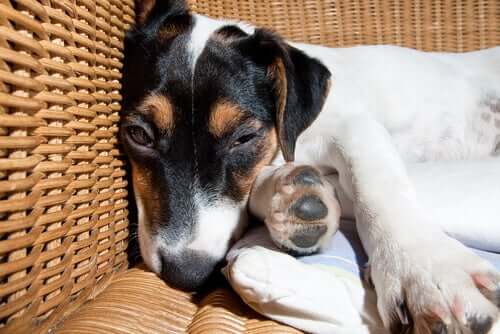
(224, 115)
(497, 123)
(269, 145)
(327, 89)
(160, 109)
(278, 74)
(170, 30)
(141, 180)
(143, 8)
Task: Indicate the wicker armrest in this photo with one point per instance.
(137, 301)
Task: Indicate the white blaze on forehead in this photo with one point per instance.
(216, 225)
(203, 28)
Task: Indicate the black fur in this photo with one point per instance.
(307, 83)
(189, 159)
(143, 48)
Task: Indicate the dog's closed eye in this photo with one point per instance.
(246, 138)
(139, 136)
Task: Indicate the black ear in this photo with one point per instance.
(300, 85)
(148, 12)
(157, 22)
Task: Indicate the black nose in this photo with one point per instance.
(188, 270)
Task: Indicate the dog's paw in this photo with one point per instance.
(436, 288)
(304, 211)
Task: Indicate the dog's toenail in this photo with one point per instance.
(402, 312)
(310, 207)
(439, 328)
(484, 281)
(480, 325)
(307, 176)
(308, 236)
(492, 295)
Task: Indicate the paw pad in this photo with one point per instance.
(309, 208)
(307, 176)
(304, 211)
(308, 236)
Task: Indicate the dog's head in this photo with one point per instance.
(206, 106)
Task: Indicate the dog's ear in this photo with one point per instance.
(157, 22)
(148, 12)
(300, 84)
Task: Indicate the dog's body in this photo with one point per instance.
(369, 137)
(207, 102)
(452, 117)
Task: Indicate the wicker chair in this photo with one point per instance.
(63, 206)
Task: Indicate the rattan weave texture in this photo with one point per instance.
(432, 25)
(137, 301)
(63, 215)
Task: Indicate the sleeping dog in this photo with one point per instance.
(220, 117)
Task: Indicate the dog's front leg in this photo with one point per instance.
(419, 273)
(298, 205)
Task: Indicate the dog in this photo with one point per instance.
(219, 116)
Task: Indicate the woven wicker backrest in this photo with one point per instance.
(432, 25)
(63, 218)
(63, 208)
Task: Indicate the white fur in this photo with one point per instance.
(203, 28)
(430, 103)
(388, 107)
(391, 106)
(216, 226)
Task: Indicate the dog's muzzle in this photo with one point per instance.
(187, 270)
